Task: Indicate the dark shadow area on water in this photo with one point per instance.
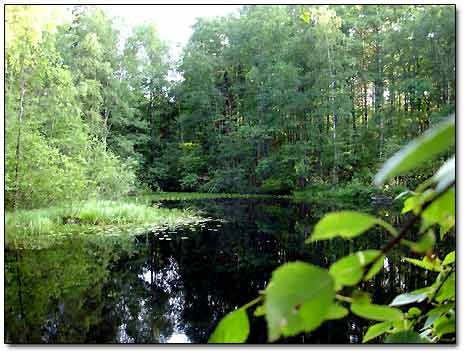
(174, 286)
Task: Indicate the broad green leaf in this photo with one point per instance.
(446, 226)
(259, 311)
(426, 263)
(376, 312)
(442, 309)
(348, 271)
(448, 289)
(435, 313)
(298, 298)
(413, 312)
(403, 194)
(377, 330)
(426, 147)
(404, 337)
(427, 290)
(347, 224)
(412, 203)
(233, 328)
(407, 298)
(445, 326)
(401, 324)
(424, 245)
(441, 211)
(376, 267)
(336, 312)
(360, 297)
(445, 175)
(430, 320)
(450, 258)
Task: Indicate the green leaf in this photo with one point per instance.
(427, 146)
(348, 271)
(376, 312)
(442, 309)
(426, 263)
(404, 337)
(360, 297)
(436, 313)
(424, 245)
(445, 326)
(347, 224)
(450, 258)
(429, 321)
(336, 312)
(441, 211)
(445, 175)
(403, 194)
(407, 298)
(413, 312)
(448, 289)
(298, 298)
(401, 324)
(259, 311)
(446, 226)
(376, 267)
(233, 328)
(377, 330)
(412, 203)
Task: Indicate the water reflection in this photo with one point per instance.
(175, 286)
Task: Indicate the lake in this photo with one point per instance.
(174, 286)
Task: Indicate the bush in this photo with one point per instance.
(276, 186)
(231, 180)
(109, 177)
(44, 175)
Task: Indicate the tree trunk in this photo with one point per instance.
(378, 89)
(18, 143)
(334, 114)
(319, 149)
(106, 114)
(353, 111)
(365, 104)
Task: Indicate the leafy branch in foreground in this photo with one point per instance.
(301, 296)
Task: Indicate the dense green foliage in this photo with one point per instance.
(283, 97)
(273, 99)
(300, 297)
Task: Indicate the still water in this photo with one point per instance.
(176, 285)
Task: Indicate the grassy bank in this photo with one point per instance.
(180, 196)
(24, 225)
(320, 193)
(348, 195)
(135, 214)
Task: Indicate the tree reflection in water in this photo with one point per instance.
(176, 289)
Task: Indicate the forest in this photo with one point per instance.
(274, 100)
(301, 103)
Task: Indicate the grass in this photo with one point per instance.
(180, 196)
(126, 215)
(111, 212)
(29, 224)
(173, 196)
(353, 195)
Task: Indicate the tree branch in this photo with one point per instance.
(409, 224)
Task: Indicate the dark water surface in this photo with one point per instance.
(175, 286)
